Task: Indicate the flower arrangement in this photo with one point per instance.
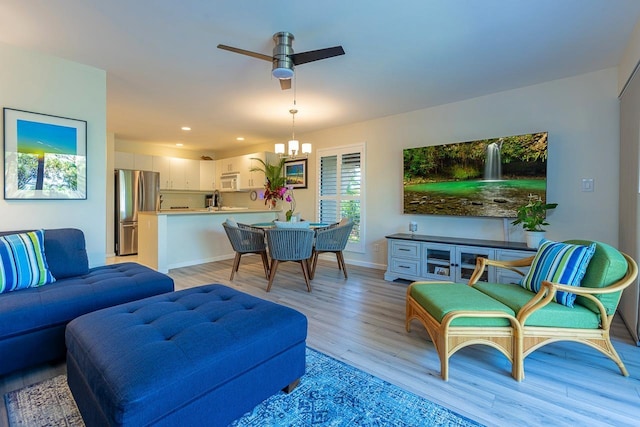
(275, 188)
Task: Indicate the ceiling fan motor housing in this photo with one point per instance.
(282, 62)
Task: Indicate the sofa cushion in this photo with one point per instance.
(558, 263)
(23, 263)
(439, 299)
(35, 309)
(606, 267)
(66, 252)
(553, 314)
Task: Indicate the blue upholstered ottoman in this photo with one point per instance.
(201, 356)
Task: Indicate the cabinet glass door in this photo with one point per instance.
(466, 263)
(437, 261)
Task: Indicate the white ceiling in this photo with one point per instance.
(164, 70)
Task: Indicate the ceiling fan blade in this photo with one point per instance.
(316, 55)
(246, 52)
(285, 84)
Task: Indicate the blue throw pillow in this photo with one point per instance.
(561, 263)
(22, 261)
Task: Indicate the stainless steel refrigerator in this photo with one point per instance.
(135, 191)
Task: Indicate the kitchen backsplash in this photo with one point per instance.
(196, 200)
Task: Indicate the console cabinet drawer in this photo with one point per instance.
(404, 249)
(405, 267)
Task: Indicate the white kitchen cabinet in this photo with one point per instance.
(191, 171)
(177, 174)
(208, 178)
(255, 179)
(123, 160)
(134, 161)
(417, 257)
(162, 165)
(231, 164)
(142, 162)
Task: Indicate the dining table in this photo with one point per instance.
(312, 225)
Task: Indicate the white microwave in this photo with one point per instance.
(230, 182)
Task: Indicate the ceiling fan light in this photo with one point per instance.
(279, 148)
(282, 73)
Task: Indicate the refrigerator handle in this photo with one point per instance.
(141, 192)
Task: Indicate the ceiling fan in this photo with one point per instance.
(284, 59)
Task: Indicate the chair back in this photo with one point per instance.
(290, 244)
(245, 239)
(333, 238)
(607, 266)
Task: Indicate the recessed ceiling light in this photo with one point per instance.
(185, 128)
(240, 138)
(179, 144)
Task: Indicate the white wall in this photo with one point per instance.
(44, 84)
(581, 115)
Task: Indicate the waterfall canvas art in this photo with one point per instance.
(485, 178)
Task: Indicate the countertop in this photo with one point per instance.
(203, 211)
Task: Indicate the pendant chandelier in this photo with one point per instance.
(293, 149)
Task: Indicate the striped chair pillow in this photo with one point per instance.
(559, 263)
(22, 261)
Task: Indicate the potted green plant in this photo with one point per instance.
(533, 217)
(275, 187)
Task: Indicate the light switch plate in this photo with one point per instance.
(587, 185)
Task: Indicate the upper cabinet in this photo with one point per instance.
(231, 165)
(124, 160)
(177, 174)
(199, 175)
(254, 179)
(208, 175)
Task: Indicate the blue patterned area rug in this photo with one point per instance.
(331, 393)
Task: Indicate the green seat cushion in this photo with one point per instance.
(438, 299)
(606, 267)
(552, 315)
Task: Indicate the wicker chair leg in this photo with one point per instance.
(272, 273)
(236, 264)
(265, 264)
(341, 265)
(314, 262)
(305, 270)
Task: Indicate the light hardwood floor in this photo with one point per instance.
(361, 321)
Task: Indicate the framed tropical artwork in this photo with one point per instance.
(295, 172)
(45, 156)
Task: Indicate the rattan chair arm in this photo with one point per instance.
(482, 263)
(451, 316)
(549, 289)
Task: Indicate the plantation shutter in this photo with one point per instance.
(340, 189)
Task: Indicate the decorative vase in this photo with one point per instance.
(275, 204)
(534, 238)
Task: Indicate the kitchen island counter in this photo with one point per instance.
(203, 211)
(183, 237)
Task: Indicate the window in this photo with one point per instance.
(341, 189)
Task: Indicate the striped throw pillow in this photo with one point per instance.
(22, 261)
(559, 263)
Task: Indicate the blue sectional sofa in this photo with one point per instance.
(33, 320)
